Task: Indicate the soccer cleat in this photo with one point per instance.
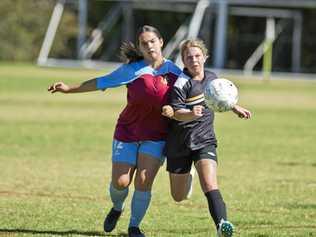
(111, 220)
(190, 183)
(135, 232)
(225, 229)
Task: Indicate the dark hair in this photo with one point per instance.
(129, 52)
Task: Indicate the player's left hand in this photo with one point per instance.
(167, 111)
(241, 112)
(197, 111)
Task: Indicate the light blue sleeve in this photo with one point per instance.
(173, 68)
(169, 67)
(125, 74)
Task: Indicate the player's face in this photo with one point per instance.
(193, 60)
(150, 46)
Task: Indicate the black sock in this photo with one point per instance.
(216, 206)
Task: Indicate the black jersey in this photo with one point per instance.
(184, 137)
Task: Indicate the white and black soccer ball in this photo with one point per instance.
(221, 95)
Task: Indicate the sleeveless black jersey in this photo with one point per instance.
(184, 137)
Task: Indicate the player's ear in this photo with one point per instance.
(161, 42)
(205, 58)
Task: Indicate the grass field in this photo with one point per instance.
(55, 161)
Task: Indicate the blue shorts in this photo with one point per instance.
(127, 152)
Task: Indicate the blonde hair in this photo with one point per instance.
(193, 43)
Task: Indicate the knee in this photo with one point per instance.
(121, 182)
(178, 197)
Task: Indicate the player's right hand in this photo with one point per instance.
(167, 111)
(59, 87)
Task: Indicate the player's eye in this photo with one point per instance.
(144, 43)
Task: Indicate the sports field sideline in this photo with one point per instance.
(55, 161)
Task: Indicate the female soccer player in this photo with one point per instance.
(141, 130)
(191, 137)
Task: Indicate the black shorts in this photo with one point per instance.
(182, 165)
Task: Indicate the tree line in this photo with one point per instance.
(24, 23)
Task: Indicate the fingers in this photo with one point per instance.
(248, 114)
(167, 111)
(241, 112)
(55, 87)
(244, 114)
(50, 88)
(165, 108)
(198, 110)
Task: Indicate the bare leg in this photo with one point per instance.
(207, 170)
(180, 185)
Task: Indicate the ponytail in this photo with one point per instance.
(129, 53)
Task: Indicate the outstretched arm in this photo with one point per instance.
(90, 85)
(241, 112)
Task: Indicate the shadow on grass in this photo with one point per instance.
(49, 195)
(182, 231)
(294, 163)
(302, 206)
(61, 233)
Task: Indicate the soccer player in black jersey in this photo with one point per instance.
(191, 136)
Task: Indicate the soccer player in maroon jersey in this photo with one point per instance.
(191, 138)
(141, 130)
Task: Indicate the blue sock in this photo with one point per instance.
(139, 206)
(118, 197)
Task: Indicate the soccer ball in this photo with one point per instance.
(221, 95)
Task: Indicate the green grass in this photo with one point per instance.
(55, 161)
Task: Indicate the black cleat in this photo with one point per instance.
(135, 232)
(111, 220)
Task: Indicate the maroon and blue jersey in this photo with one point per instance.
(147, 91)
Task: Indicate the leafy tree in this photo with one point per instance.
(23, 25)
